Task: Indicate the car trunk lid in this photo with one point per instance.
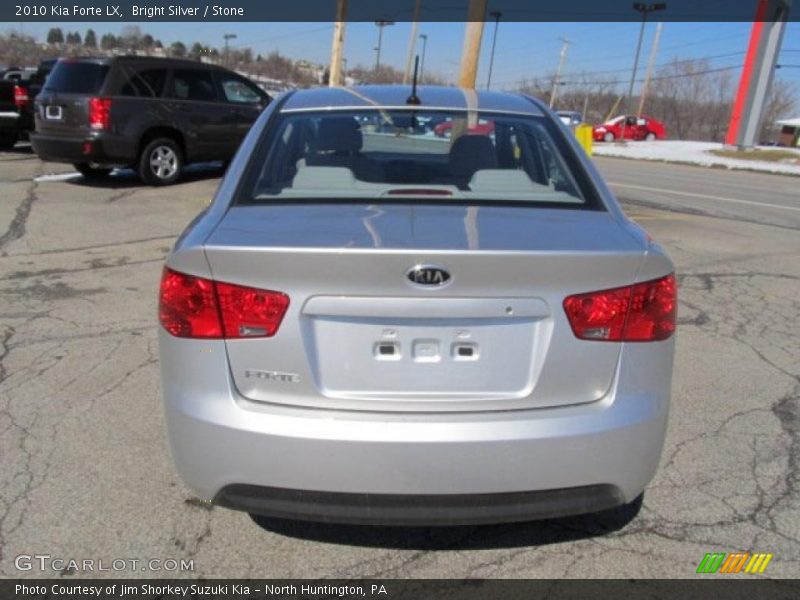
(360, 334)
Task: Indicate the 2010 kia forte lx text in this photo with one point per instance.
(375, 324)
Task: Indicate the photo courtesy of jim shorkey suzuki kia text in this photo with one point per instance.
(193, 590)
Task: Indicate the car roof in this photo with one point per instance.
(395, 96)
(166, 61)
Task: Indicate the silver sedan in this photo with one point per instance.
(372, 323)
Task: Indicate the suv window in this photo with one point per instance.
(237, 90)
(193, 84)
(148, 83)
(72, 77)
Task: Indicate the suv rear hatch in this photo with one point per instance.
(63, 104)
(360, 335)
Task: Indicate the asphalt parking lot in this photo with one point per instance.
(86, 473)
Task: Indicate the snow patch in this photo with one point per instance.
(695, 153)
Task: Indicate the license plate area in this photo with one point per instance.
(423, 357)
(53, 112)
(425, 348)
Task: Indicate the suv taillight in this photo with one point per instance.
(643, 312)
(194, 307)
(21, 98)
(99, 113)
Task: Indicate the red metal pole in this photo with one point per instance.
(746, 79)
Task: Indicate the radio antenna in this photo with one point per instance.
(413, 98)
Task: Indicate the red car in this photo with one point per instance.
(636, 128)
(483, 127)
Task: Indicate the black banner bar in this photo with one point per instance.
(730, 587)
(143, 11)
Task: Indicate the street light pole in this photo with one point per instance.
(228, 36)
(381, 24)
(644, 9)
(557, 80)
(424, 38)
(496, 14)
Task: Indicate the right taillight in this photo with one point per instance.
(194, 307)
(21, 97)
(643, 312)
(100, 113)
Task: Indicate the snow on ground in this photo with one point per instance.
(693, 152)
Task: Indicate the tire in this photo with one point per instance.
(650, 136)
(7, 140)
(608, 137)
(160, 162)
(90, 172)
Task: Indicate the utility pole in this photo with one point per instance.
(496, 14)
(228, 36)
(557, 81)
(381, 24)
(412, 42)
(335, 78)
(650, 65)
(473, 33)
(424, 39)
(644, 9)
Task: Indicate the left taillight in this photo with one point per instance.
(194, 307)
(100, 113)
(644, 312)
(21, 97)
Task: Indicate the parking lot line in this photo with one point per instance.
(703, 196)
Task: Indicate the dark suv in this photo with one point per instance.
(152, 114)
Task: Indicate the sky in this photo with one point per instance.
(524, 50)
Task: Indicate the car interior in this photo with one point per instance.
(358, 157)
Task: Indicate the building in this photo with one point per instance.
(790, 132)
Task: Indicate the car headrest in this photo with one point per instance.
(338, 134)
(471, 153)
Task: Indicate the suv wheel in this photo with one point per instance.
(89, 171)
(608, 137)
(160, 162)
(650, 136)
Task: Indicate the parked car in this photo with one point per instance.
(482, 127)
(18, 88)
(635, 128)
(152, 114)
(373, 328)
(570, 118)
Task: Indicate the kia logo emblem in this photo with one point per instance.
(428, 275)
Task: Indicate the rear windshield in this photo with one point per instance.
(70, 77)
(436, 156)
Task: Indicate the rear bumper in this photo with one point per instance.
(10, 122)
(417, 510)
(413, 468)
(78, 149)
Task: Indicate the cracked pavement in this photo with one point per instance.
(86, 472)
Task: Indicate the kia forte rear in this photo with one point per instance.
(375, 324)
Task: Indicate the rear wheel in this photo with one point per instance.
(608, 137)
(7, 140)
(161, 162)
(650, 136)
(91, 172)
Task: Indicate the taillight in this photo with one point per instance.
(21, 98)
(643, 312)
(194, 307)
(100, 113)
